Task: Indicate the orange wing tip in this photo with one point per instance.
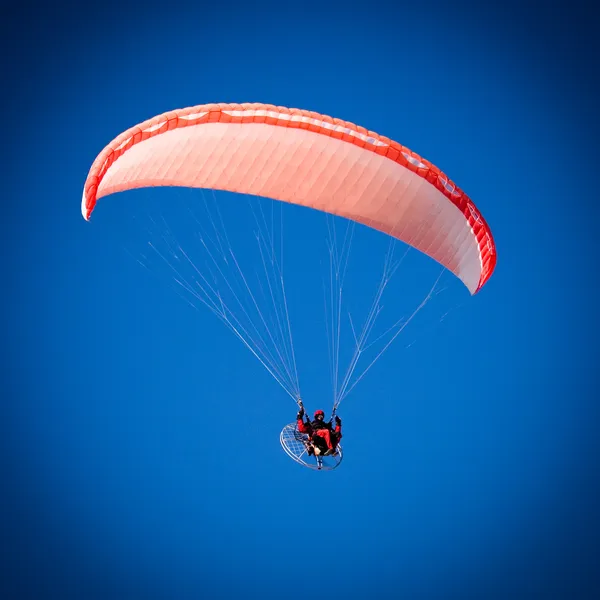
(85, 210)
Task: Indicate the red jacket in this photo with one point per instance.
(308, 427)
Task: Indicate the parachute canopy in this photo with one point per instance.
(307, 159)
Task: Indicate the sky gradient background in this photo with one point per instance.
(482, 481)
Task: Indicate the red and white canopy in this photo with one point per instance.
(307, 159)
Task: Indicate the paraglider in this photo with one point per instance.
(311, 160)
(323, 438)
(313, 444)
(308, 159)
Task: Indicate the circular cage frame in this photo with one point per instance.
(296, 443)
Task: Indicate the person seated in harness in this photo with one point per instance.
(322, 436)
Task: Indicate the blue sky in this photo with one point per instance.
(141, 453)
